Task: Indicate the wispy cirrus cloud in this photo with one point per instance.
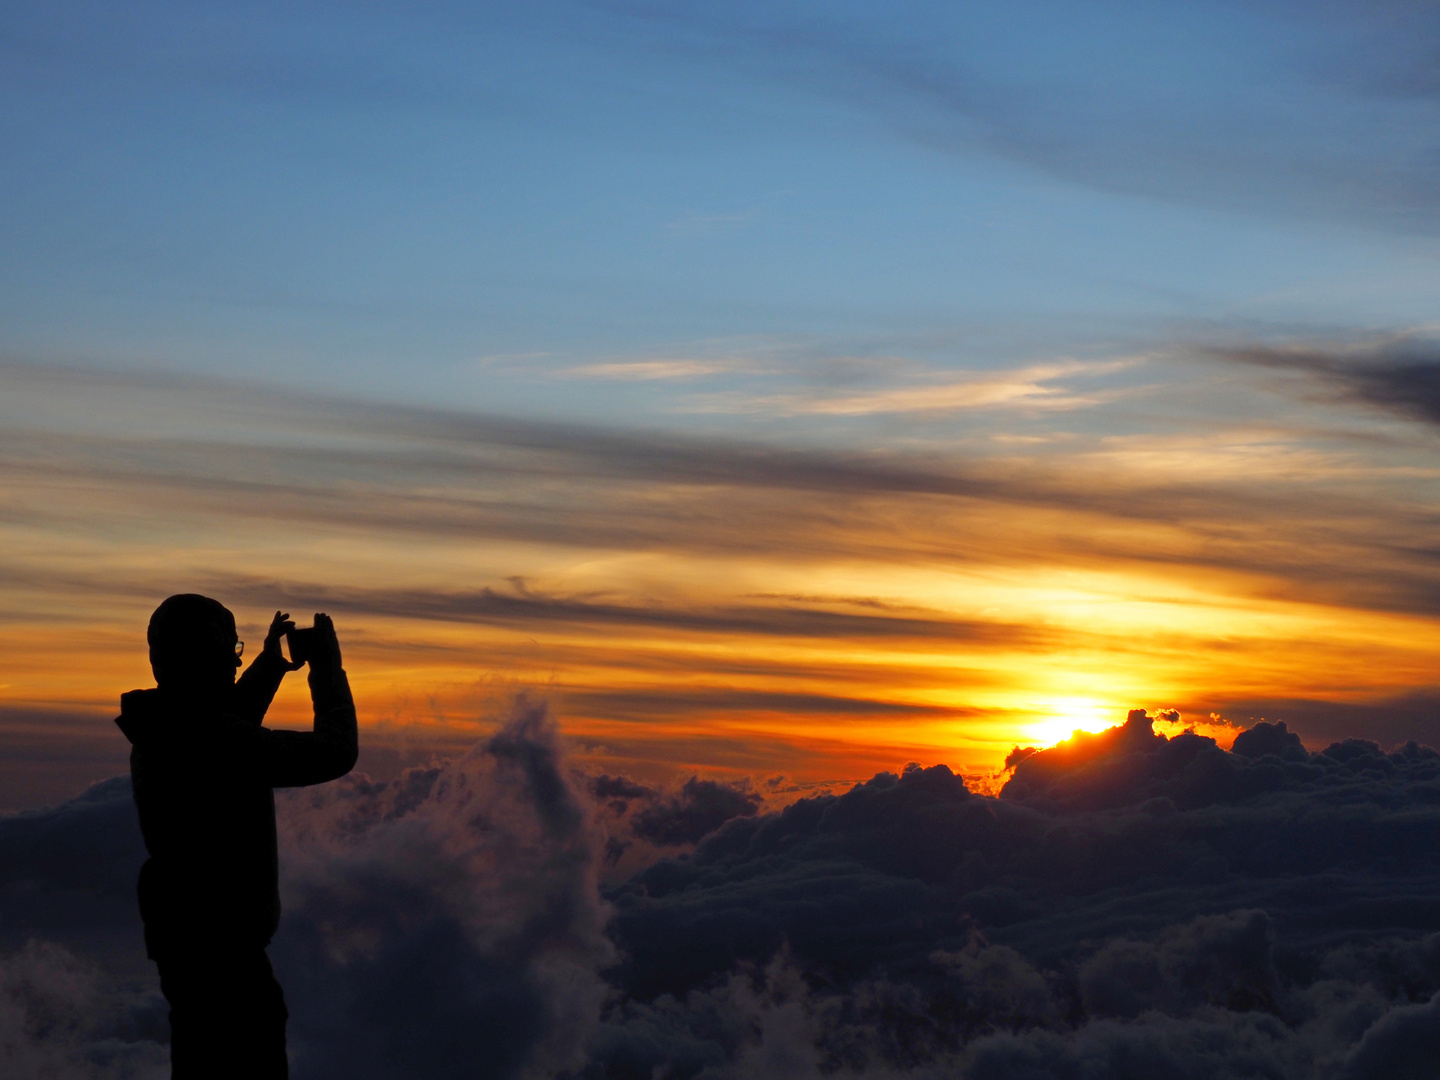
(1327, 119)
(1034, 387)
(648, 370)
(416, 475)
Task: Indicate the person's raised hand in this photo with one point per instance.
(279, 627)
(327, 645)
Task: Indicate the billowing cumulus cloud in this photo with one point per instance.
(452, 916)
(646, 821)
(76, 996)
(700, 807)
(60, 1017)
(1130, 905)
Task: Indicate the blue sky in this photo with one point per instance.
(447, 205)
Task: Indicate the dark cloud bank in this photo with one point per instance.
(1130, 906)
(1400, 375)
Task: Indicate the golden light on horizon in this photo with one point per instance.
(1062, 717)
(717, 621)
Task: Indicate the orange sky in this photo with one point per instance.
(796, 394)
(717, 604)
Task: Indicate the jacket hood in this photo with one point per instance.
(161, 713)
(142, 715)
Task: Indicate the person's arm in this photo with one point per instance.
(256, 687)
(298, 758)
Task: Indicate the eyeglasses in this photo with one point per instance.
(239, 649)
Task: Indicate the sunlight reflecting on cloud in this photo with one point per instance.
(822, 611)
(1062, 717)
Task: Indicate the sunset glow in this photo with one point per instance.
(850, 438)
(1067, 716)
(821, 618)
(869, 541)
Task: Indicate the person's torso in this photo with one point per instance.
(207, 814)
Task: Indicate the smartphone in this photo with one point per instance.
(301, 643)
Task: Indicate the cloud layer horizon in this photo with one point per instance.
(1130, 905)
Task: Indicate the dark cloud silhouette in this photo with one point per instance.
(643, 820)
(1400, 375)
(1129, 898)
(698, 809)
(1390, 720)
(77, 997)
(1131, 905)
(1019, 754)
(448, 923)
(61, 1017)
(1222, 960)
(1274, 739)
(621, 788)
(80, 855)
(1403, 1045)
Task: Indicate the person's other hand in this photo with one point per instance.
(279, 627)
(327, 645)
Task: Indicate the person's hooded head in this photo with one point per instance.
(193, 644)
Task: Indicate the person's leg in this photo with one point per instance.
(227, 1016)
(193, 1019)
(265, 1018)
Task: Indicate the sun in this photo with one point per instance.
(1059, 718)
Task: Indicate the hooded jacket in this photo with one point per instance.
(203, 773)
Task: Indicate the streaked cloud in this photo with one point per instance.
(1026, 388)
(695, 598)
(645, 370)
(1323, 119)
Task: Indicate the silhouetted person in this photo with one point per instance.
(203, 770)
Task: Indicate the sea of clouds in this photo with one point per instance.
(1130, 906)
